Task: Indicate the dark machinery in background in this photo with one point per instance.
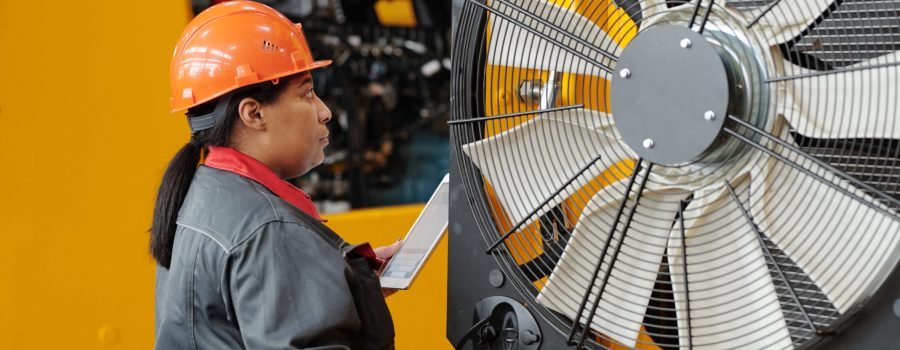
(675, 174)
(388, 90)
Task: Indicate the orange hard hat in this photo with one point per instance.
(235, 44)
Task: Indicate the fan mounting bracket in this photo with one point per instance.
(669, 95)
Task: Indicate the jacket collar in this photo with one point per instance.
(231, 160)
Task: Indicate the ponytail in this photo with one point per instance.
(172, 190)
(177, 179)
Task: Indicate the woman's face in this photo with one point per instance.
(296, 121)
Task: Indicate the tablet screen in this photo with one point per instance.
(420, 241)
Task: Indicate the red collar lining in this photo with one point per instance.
(231, 160)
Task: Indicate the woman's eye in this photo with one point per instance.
(310, 93)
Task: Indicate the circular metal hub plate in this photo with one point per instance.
(671, 101)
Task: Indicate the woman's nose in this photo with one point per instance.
(324, 111)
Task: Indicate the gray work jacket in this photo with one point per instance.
(249, 270)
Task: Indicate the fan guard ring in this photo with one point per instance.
(795, 184)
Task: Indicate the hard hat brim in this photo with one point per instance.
(311, 66)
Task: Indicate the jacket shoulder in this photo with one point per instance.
(230, 207)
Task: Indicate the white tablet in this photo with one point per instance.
(423, 236)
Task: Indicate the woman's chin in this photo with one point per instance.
(319, 160)
(314, 164)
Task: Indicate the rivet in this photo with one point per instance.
(686, 43)
(496, 278)
(108, 335)
(897, 308)
(625, 73)
(709, 116)
(648, 143)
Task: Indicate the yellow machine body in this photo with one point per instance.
(396, 13)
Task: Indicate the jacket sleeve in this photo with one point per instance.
(289, 290)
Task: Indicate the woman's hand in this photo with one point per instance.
(385, 253)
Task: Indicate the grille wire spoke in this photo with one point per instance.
(763, 13)
(556, 43)
(634, 174)
(593, 312)
(883, 196)
(831, 72)
(806, 171)
(705, 15)
(687, 293)
(768, 254)
(615, 254)
(517, 114)
(521, 222)
(560, 30)
(695, 13)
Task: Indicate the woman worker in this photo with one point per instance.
(244, 259)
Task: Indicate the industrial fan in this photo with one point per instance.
(675, 174)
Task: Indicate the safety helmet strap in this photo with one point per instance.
(209, 120)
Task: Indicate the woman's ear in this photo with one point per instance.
(250, 112)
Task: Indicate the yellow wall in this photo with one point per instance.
(84, 138)
(85, 134)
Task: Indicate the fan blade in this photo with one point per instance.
(786, 20)
(730, 300)
(851, 104)
(625, 297)
(653, 8)
(845, 247)
(528, 163)
(781, 23)
(511, 44)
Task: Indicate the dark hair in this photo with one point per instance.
(180, 171)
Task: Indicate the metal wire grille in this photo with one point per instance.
(856, 30)
(811, 299)
(876, 167)
(770, 243)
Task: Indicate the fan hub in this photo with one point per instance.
(670, 94)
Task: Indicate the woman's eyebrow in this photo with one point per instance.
(305, 80)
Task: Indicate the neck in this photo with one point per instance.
(257, 150)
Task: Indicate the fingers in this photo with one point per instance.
(385, 252)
